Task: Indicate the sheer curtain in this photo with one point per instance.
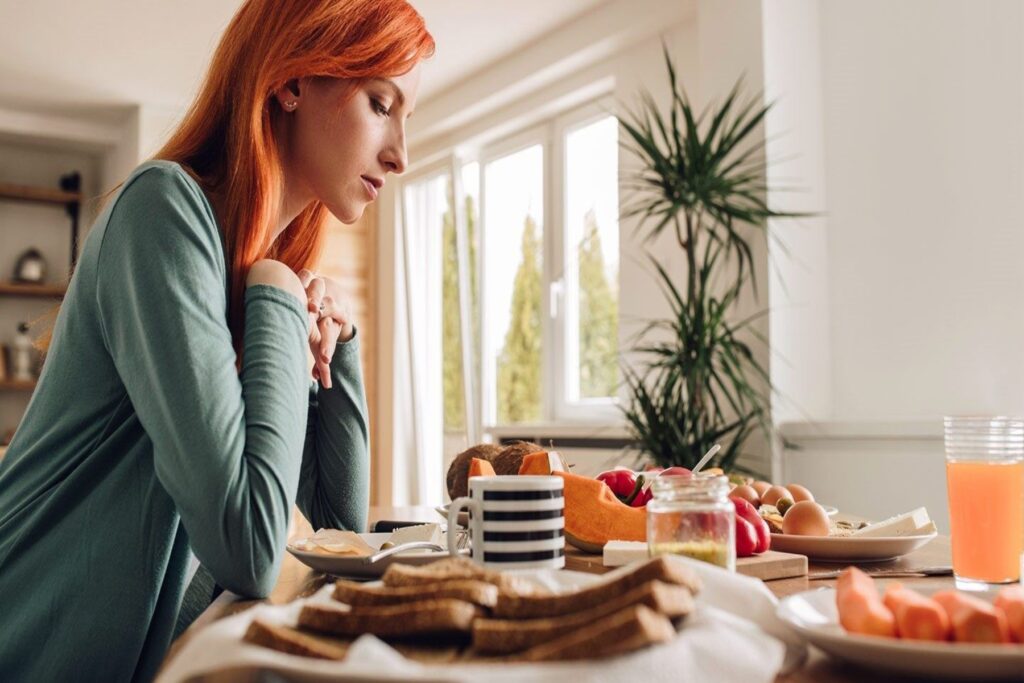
(417, 476)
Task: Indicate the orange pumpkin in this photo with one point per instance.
(593, 515)
(481, 468)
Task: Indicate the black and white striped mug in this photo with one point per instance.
(515, 521)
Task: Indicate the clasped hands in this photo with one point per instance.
(330, 321)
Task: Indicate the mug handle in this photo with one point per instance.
(453, 516)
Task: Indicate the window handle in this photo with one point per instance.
(555, 296)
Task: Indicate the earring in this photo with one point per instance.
(290, 105)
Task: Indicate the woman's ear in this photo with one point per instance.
(289, 95)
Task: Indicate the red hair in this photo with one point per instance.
(227, 142)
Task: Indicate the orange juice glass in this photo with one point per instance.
(985, 481)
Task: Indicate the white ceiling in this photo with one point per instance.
(95, 57)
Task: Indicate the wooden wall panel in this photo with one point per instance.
(348, 258)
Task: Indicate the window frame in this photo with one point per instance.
(497, 149)
(550, 133)
(565, 410)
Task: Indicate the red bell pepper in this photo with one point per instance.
(624, 484)
(747, 512)
(643, 496)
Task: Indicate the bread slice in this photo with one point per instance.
(467, 590)
(503, 636)
(514, 605)
(624, 631)
(453, 569)
(427, 617)
(293, 642)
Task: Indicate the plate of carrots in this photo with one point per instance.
(948, 635)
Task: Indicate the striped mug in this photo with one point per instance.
(515, 521)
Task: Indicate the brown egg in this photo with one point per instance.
(748, 494)
(761, 487)
(772, 495)
(805, 518)
(799, 492)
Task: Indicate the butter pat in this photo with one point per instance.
(618, 553)
(430, 533)
(913, 523)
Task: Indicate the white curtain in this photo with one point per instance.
(417, 476)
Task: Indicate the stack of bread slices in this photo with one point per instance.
(453, 610)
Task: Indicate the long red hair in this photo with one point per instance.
(227, 142)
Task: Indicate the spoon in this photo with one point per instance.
(707, 456)
(370, 559)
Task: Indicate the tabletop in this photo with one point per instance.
(297, 580)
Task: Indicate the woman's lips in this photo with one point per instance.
(370, 188)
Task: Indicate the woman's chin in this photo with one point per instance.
(348, 213)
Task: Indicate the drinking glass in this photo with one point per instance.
(985, 482)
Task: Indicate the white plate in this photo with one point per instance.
(848, 549)
(813, 615)
(462, 520)
(349, 566)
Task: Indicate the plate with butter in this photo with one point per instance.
(346, 553)
(862, 542)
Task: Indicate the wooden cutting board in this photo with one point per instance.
(767, 566)
(773, 564)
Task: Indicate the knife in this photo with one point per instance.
(883, 573)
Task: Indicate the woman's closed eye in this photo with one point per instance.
(379, 107)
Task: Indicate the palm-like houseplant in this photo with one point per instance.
(702, 177)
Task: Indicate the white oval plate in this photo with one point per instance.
(462, 520)
(848, 549)
(813, 614)
(350, 566)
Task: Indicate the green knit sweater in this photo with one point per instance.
(142, 444)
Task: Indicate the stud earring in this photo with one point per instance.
(290, 105)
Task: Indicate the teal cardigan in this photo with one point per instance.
(142, 444)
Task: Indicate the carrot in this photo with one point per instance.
(860, 608)
(917, 617)
(973, 620)
(1011, 601)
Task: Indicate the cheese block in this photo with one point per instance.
(411, 534)
(913, 523)
(618, 553)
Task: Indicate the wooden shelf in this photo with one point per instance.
(42, 291)
(12, 385)
(40, 195)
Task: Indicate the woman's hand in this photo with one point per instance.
(331, 321)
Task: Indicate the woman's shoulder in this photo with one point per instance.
(163, 192)
(160, 180)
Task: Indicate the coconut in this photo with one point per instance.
(458, 471)
(510, 459)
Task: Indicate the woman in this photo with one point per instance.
(174, 414)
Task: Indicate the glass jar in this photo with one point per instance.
(692, 516)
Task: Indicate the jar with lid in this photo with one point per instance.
(692, 516)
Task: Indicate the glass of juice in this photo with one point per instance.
(985, 482)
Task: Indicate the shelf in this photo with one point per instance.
(40, 195)
(42, 291)
(12, 385)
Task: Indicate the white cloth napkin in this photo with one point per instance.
(733, 635)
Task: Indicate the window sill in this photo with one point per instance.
(602, 435)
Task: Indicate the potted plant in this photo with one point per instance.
(700, 176)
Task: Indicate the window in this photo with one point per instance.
(592, 262)
(529, 276)
(513, 285)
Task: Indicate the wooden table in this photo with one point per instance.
(297, 580)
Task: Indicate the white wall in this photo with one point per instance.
(920, 108)
(909, 121)
(924, 127)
